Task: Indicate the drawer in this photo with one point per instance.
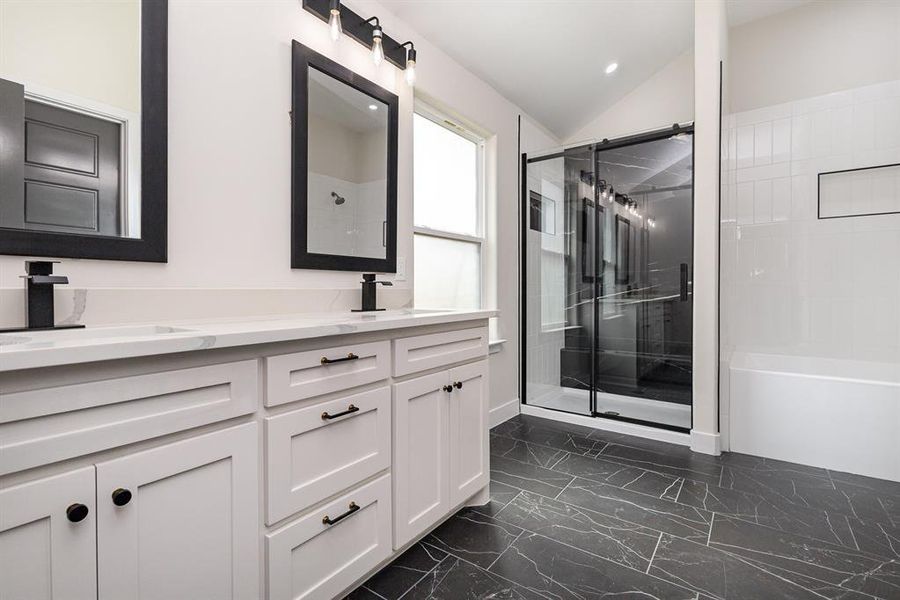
(435, 350)
(291, 377)
(47, 425)
(310, 456)
(309, 559)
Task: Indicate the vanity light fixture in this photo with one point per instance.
(410, 62)
(334, 20)
(611, 68)
(377, 47)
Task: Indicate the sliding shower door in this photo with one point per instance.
(608, 269)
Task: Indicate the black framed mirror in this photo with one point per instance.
(344, 168)
(83, 113)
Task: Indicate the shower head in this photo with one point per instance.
(338, 200)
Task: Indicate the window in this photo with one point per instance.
(448, 213)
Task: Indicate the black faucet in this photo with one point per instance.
(368, 293)
(39, 283)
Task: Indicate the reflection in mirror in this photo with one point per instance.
(70, 104)
(347, 185)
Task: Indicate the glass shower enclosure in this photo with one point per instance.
(607, 267)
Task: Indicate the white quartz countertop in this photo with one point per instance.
(27, 350)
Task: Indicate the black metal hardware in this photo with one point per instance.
(360, 30)
(39, 282)
(448, 388)
(121, 496)
(350, 409)
(457, 385)
(328, 521)
(330, 361)
(369, 302)
(684, 283)
(77, 512)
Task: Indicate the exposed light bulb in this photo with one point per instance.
(377, 50)
(411, 72)
(373, 107)
(334, 21)
(611, 67)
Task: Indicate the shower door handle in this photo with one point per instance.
(684, 282)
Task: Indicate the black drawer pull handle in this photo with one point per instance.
(77, 512)
(329, 521)
(457, 385)
(329, 361)
(447, 388)
(121, 497)
(350, 409)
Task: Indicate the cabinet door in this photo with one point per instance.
(469, 466)
(190, 528)
(44, 552)
(421, 492)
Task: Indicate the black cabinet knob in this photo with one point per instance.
(448, 388)
(121, 497)
(457, 385)
(77, 512)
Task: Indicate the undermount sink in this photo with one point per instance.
(89, 333)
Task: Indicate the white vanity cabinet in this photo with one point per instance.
(48, 538)
(440, 446)
(286, 469)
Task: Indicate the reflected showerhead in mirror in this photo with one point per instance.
(338, 200)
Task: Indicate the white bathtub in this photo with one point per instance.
(838, 414)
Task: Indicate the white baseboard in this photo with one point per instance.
(651, 433)
(504, 412)
(706, 443)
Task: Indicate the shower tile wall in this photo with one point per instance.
(793, 283)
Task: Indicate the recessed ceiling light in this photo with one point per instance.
(373, 107)
(611, 67)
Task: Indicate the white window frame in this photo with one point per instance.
(439, 118)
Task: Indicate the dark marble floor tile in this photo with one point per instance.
(880, 539)
(460, 580)
(404, 572)
(528, 477)
(507, 426)
(768, 465)
(557, 571)
(474, 537)
(831, 564)
(658, 514)
(558, 439)
(718, 574)
(791, 518)
(551, 424)
(879, 487)
(689, 466)
(806, 490)
(362, 593)
(540, 456)
(614, 473)
(501, 495)
(867, 504)
(611, 538)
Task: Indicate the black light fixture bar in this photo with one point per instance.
(357, 28)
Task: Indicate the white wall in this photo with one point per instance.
(229, 179)
(814, 49)
(665, 98)
(49, 43)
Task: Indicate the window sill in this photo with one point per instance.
(495, 346)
